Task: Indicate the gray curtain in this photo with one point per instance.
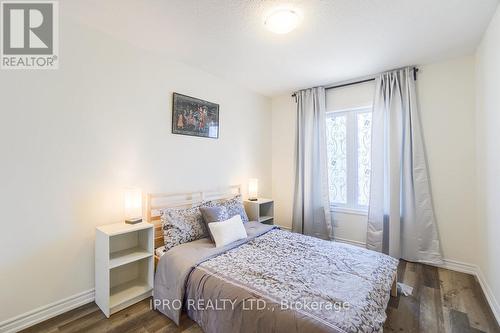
(401, 219)
(311, 213)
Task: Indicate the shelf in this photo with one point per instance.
(127, 291)
(123, 265)
(265, 218)
(126, 256)
(123, 228)
(261, 201)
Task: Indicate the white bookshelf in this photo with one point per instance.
(261, 210)
(123, 265)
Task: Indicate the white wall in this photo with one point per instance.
(350, 97)
(447, 109)
(447, 104)
(488, 156)
(283, 158)
(72, 139)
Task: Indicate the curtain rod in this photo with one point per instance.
(335, 86)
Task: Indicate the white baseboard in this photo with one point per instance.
(283, 227)
(42, 313)
(471, 269)
(490, 297)
(458, 266)
(351, 242)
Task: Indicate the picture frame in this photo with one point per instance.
(194, 117)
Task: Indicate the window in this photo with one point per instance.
(348, 135)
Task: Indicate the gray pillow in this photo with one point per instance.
(234, 206)
(181, 226)
(213, 214)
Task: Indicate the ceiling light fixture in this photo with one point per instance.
(282, 21)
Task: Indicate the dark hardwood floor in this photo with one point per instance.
(442, 301)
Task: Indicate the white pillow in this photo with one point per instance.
(228, 231)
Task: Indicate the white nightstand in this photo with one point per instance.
(123, 265)
(261, 210)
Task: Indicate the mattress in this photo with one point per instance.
(276, 281)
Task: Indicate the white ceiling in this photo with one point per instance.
(337, 40)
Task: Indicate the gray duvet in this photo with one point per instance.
(275, 281)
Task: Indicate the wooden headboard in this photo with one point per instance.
(157, 201)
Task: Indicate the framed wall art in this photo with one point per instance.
(195, 117)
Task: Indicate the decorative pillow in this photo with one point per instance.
(181, 226)
(234, 206)
(228, 231)
(213, 214)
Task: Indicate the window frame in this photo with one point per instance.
(351, 207)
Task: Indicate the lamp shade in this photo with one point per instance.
(133, 203)
(253, 188)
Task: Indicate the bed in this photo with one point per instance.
(272, 281)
